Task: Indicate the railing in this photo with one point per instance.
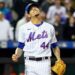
(61, 44)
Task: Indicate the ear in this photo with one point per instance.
(27, 15)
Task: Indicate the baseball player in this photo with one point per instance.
(36, 39)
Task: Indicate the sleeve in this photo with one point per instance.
(21, 45)
(53, 38)
(21, 35)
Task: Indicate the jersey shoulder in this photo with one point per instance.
(25, 26)
(22, 21)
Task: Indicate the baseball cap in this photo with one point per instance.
(29, 7)
(26, 8)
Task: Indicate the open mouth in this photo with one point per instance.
(37, 15)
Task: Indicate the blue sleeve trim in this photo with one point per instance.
(54, 45)
(21, 45)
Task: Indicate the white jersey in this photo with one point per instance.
(19, 23)
(37, 39)
(6, 31)
(54, 10)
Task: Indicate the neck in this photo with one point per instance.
(36, 20)
(57, 6)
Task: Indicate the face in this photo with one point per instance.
(57, 2)
(57, 18)
(34, 12)
(71, 20)
(68, 4)
(1, 5)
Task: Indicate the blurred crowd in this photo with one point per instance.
(59, 13)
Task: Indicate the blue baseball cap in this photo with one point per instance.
(26, 8)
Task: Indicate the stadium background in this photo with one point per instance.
(7, 48)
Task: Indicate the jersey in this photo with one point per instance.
(53, 10)
(6, 31)
(37, 39)
(19, 23)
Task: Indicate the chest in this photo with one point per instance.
(57, 11)
(37, 34)
(3, 27)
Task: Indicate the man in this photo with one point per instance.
(35, 38)
(56, 9)
(6, 11)
(69, 7)
(6, 31)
